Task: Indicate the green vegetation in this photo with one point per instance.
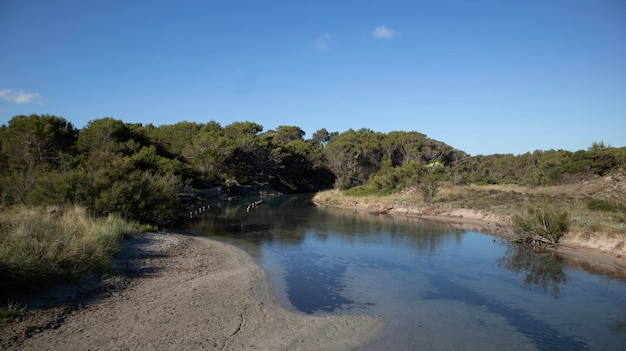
(504, 201)
(606, 206)
(111, 173)
(41, 247)
(542, 224)
(428, 187)
(136, 171)
(11, 311)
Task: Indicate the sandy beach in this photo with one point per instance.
(181, 292)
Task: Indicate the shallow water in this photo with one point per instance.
(438, 288)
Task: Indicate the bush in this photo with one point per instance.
(360, 190)
(605, 206)
(429, 187)
(543, 224)
(366, 190)
(143, 196)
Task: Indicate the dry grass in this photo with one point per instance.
(506, 201)
(573, 198)
(43, 246)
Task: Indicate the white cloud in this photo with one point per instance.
(383, 32)
(324, 42)
(19, 96)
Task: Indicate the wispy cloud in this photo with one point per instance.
(19, 96)
(383, 32)
(324, 42)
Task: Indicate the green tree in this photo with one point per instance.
(287, 134)
(323, 137)
(32, 146)
(35, 140)
(404, 147)
(353, 156)
(107, 138)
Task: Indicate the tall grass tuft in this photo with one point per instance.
(542, 224)
(40, 246)
(11, 310)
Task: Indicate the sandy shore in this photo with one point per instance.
(180, 292)
(184, 293)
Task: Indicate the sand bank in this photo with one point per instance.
(188, 293)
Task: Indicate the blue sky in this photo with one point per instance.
(482, 76)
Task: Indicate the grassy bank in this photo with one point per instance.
(596, 206)
(41, 247)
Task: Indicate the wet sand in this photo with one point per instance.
(182, 292)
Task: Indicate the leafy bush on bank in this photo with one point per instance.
(542, 224)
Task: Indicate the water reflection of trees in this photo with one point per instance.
(286, 220)
(360, 227)
(542, 268)
(619, 327)
(272, 221)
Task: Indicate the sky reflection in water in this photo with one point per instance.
(437, 287)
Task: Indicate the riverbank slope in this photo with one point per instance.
(180, 292)
(595, 238)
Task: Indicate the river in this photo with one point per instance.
(438, 288)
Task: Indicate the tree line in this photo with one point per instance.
(138, 171)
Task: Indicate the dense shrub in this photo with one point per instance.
(542, 224)
(140, 196)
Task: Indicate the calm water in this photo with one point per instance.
(438, 288)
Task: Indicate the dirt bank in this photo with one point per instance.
(184, 293)
(598, 252)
